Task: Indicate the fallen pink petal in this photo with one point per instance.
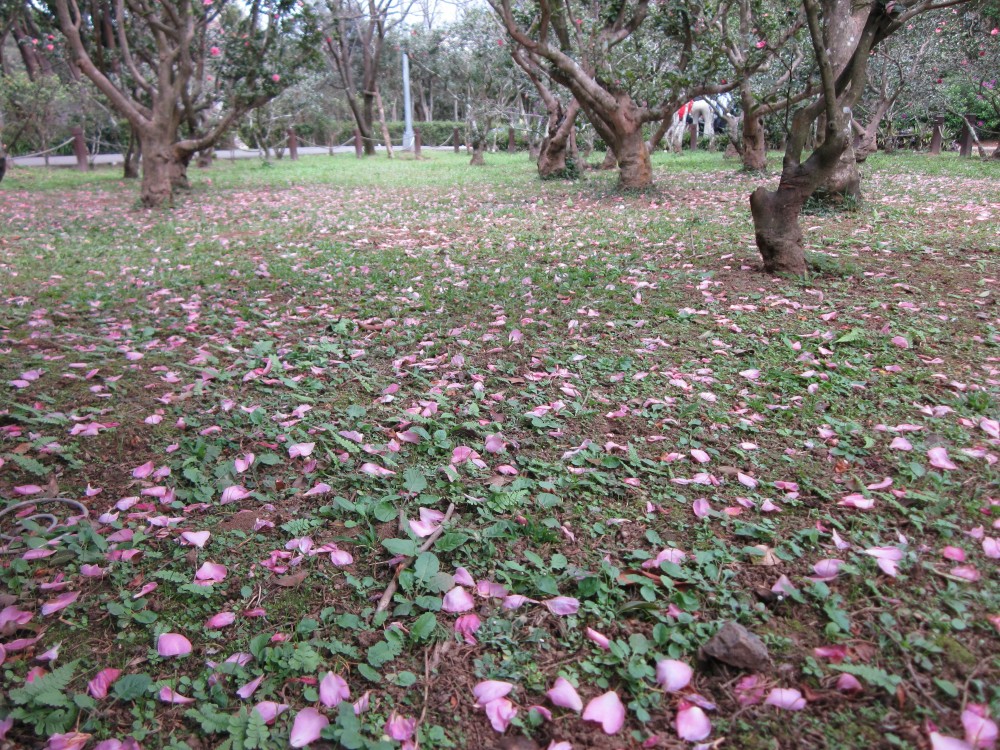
(172, 644)
(307, 727)
(788, 699)
(606, 710)
(564, 695)
(692, 723)
(673, 675)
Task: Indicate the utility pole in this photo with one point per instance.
(407, 106)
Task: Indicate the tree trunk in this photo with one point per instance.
(557, 146)
(381, 120)
(754, 145)
(661, 130)
(131, 166)
(3, 163)
(366, 121)
(844, 181)
(158, 169)
(635, 168)
(777, 230)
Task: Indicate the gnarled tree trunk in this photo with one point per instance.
(558, 144)
(776, 227)
(635, 170)
(159, 166)
(132, 155)
(754, 144)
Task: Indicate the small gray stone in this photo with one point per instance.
(738, 647)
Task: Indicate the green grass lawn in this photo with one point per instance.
(583, 379)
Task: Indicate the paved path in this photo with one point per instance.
(220, 155)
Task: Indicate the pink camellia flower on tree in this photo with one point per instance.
(275, 78)
(215, 52)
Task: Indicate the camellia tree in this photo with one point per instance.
(355, 42)
(182, 72)
(626, 63)
(844, 34)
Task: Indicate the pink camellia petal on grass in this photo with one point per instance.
(699, 456)
(506, 470)
(250, 688)
(956, 554)
(562, 605)
(307, 727)
(749, 691)
(375, 470)
(172, 644)
(147, 588)
(828, 569)
(464, 578)
(59, 603)
(269, 710)
(169, 695)
(244, 462)
(944, 742)
(341, 558)
(196, 538)
(221, 620)
(98, 687)
(783, 586)
(834, 654)
(606, 710)
(746, 480)
(400, 728)
(333, 689)
(673, 675)
(27, 489)
(500, 713)
(68, 741)
(467, 625)
(300, 450)
(211, 571)
(980, 729)
(939, 458)
(788, 699)
(991, 547)
(141, 472)
(887, 482)
(11, 614)
(559, 746)
(598, 638)
(490, 590)
(848, 683)
(457, 600)
(490, 690)
(701, 508)
(967, 573)
(495, 443)
(857, 501)
(750, 374)
(692, 723)
(234, 493)
(430, 521)
(901, 444)
(564, 695)
(515, 600)
(901, 342)
(321, 488)
(668, 555)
